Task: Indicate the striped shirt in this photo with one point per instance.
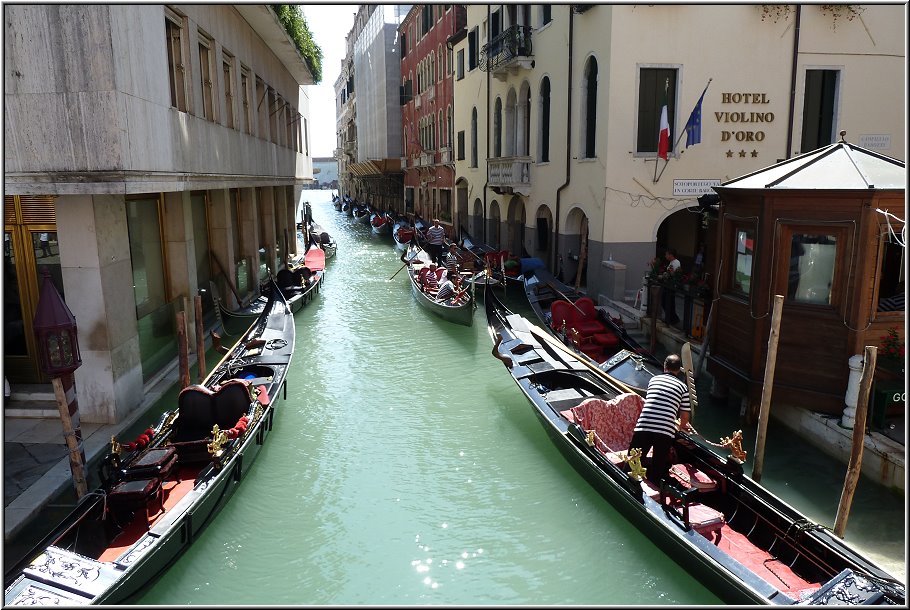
(436, 235)
(451, 262)
(667, 396)
(430, 280)
(445, 291)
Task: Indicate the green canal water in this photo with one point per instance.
(406, 468)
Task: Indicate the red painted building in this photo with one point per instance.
(427, 109)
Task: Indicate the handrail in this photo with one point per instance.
(511, 43)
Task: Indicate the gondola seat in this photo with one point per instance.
(705, 520)
(158, 463)
(285, 280)
(565, 314)
(691, 477)
(231, 401)
(612, 421)
(200, 409)
(129, 497)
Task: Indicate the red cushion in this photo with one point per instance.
(559, 311)
(587, 327)
(606, 339)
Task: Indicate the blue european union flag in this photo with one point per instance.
(693, 125)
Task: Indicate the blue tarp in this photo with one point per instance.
(530, 264)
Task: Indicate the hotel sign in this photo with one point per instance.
(693, 187)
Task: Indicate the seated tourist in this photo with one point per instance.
(430, 280)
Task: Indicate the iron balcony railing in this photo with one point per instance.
(514, 43)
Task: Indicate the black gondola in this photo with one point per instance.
(740, 540)
(159, 491)
(572, 318)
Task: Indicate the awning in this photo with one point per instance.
(375, 167)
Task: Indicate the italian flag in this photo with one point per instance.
(663, 140)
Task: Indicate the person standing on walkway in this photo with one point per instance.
(436, 236)
(45, 244)
(666, 399)
(668, 301)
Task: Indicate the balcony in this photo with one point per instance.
(508, 53)
(426, 159)
(445, 155)
(510, 174)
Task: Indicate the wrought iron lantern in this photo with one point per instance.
(55, 332)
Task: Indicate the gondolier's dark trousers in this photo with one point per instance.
(435, 251)
(660, 461)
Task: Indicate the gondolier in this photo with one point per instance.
(667, 397)
(436, 236)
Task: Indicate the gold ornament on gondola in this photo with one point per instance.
(735, 444)
(637, 472)
(116, 447)
(219, 439)
(590, 438)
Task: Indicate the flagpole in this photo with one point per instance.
(679, 139)
(656, 159)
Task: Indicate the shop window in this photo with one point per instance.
(812, 260)
(744, 250)
(14, 327)
(201, 245)
(154, 314)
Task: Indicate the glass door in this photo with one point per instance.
(28, 251)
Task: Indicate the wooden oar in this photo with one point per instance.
(406, 263)
(560, 293)
(686, 357)
(540, 334)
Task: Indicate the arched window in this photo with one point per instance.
(524, 115)
(544, 153)
(449, 126)
(590, 101)
(474, 137)
(442, 133)
(497, 128)
(511, 146)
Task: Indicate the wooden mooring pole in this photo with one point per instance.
(654, 299)
(183, 350)
(859, 436)
(200, 338)
(765, 408)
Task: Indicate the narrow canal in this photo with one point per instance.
(405, 467)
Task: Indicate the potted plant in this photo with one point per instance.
(891, 354)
